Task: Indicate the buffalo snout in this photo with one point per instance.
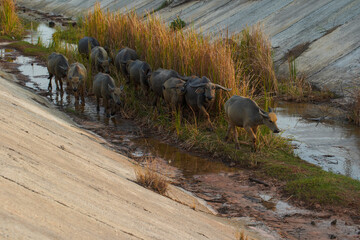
(276, 131)
(75, 89)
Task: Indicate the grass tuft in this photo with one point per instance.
(354, 109)
(147, 177)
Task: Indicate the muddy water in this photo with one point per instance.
(332, 145)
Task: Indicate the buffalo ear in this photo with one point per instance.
(199, 90)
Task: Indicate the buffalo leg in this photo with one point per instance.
(50, 85)
(236, 136)
(97, 103)
(61, 84)
(228, 132)
(82, 97)
(250, 131)
(205, 113)
(57, 83)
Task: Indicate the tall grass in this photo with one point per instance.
(10, 24)
(253, 56)
(188, 52)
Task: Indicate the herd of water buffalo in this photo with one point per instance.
(198, 93)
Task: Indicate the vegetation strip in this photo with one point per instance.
(242, 63)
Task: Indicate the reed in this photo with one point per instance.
(10, 23)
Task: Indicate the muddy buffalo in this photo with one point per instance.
(76, 80)
(104, 87)
(121, 60)
(173, 92)
(57, 65)
(200, 95)
(139, 73)
(100, 59)
(85, 43)
(158, 78)
(244, 112)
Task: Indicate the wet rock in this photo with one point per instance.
(51, 24)
(334, 222)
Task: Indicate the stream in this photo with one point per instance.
(333, 146)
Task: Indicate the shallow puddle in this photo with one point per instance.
(42, 32)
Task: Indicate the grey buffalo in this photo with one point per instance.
(104, 87)
(173, 92)
(244, 112)
(121, 60)
(85, 43)
(76, 80)
(158, 78)
(139, 73)
(200, 95)
(57, 65)
(100, 59)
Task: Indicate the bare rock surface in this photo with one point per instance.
(58, 181)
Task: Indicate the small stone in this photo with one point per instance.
(332, 236)
(51, 24)
(334, 222)
(313, 223)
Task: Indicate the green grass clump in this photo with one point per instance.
(30, 49)
(10, 23)
(177, 24)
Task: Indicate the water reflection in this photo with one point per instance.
(333, 146)
(190, 164)
(42, 32)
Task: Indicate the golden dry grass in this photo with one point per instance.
(10, 24)
(189, 52)
(147, 177)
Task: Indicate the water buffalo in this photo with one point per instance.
(57, 65)
(121, 59)
(85, 43)
(104, 87)
(100, 59)
(158, 78)
(244, 112)
(139, 73)
(173, 92)
(200, 95)
(77, 77)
